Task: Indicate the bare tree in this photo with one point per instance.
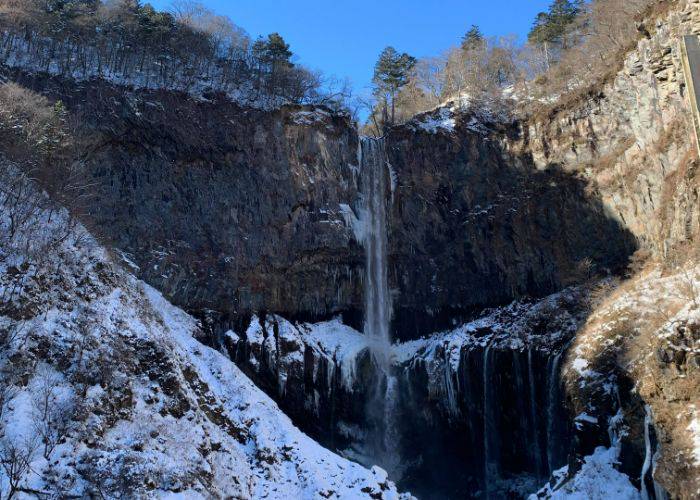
(8, 391)
(52, 413)
(16, 461)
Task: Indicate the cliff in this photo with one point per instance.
(228, 210)
(250, 219)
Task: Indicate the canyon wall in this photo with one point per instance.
(234, 211)
(228, 210)
(244, 216)
(631, 137)
(475, 224)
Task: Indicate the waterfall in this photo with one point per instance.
(650, 458)
(490, 427)
(533, 416)
(552, 414)
(384, 400)
(647, 455)
(377, 300)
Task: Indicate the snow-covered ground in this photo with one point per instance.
(106, 392)
(597, 480)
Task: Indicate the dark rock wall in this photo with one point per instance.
(234, 211)
(503, 404)
(223, 208)
(473, 225)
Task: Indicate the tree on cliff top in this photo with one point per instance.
(273, 51)
(551, 28)
(391, 73)
(473, 40)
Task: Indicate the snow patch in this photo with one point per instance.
(442, 120)
(694, 428)
(597, 480)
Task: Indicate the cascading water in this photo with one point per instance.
(377, 301)
(534, 424)
(383, 442)
(553, 401)
(490, 462)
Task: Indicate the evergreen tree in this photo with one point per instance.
(551, 27)
(273, 51)
(474, 39)
(391, 73)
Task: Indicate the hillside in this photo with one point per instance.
(105, 390)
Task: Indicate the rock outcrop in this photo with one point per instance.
(225, 209)
(105, 391)
(498, 376)
(631, 137)
(474, 224)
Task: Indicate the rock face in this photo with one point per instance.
(475, 225)
(635, 367)
(631, 138)
(222, 208)
(232, 212)
(107, 393)
(498, 376)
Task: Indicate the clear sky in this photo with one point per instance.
(344, 37)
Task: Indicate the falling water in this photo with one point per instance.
(383, 403)
(647, 456)
(533, 415)
(490, 464)
(377, 302)
(552, 416)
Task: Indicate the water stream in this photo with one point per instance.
(384, 441)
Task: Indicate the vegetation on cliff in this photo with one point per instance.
(188, 48)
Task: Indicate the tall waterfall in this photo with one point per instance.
(377, 300)
(383, 442)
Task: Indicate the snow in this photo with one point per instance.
(442, 120)
(597, 480)
(581, 366)
(308, 118)
(504, 327)
(18, 56)
(160, 414)
(317, 469)
(694, 429)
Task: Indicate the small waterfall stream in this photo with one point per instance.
(534, 424)
(490, 463)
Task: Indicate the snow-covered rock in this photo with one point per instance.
(107, 392)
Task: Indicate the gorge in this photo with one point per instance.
(491, 300)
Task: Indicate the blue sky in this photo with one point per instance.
(344, 38)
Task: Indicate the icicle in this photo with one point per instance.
(650, 458)
(449, 386)
(647, 455)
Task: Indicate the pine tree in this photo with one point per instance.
(551, 27)
(278, 50)
(474, 39)
(391, 73)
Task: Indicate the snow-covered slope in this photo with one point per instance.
(105, 391)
